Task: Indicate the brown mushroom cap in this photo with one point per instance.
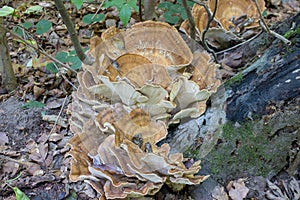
(200, 17)
(205, 72)
(228, 9)
(166, 51)
(161, 45)
(124, 103)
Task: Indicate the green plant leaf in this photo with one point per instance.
(27, 25)
(75, 62)
(189, 3)
(175, 7)
(72, 52)
(133, 4)
(72, 196)
(125, 14)
(33, 104)
(6, 10)
(164, 5)
(264, 13)
(117, 3)
(43, 26)
(90, 18)
(182, 12)
(20, 195)
(51, 67)
(62, 56)
(170, 17)
(77, 3)
(34, 9)
(107, 4)
(18, 31)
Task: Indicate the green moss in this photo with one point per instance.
(234, 80)
(246, 150)
(191, 153)
(292, 33)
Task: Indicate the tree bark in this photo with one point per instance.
(8, 77)
(251, 127)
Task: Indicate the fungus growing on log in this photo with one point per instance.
(124, 104)
(229, 14)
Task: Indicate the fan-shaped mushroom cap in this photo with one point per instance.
(161, 45)
(229, 9)
(226, 11)
(138, 70)
(136, 125)
(200, 17)
(205, 72)
(124, 103)
(166, 51)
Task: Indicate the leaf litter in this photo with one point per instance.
(26, 146)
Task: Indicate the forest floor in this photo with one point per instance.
(34, 127)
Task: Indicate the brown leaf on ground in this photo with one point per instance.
(237, 189)
(219, 193)
(10, 168)
(3, 139)
(38, 152)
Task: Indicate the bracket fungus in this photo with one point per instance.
(124, 104)
(229, 14)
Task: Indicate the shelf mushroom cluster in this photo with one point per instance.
(143, 80)
(230, 14)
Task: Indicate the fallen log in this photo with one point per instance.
(251, 127)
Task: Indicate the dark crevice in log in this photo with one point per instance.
(272, 78)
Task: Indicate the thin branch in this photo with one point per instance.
(240, 44)
(59, 114)
(264, 25)
(38, 50)
(140, 10)
(191, 23)
(14, 160)
(67, 21)
(64, 77)
(99, 7)
(210, 19)
(47, 55)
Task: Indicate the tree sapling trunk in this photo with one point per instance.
(8, 77)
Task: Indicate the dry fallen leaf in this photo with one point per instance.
(237, 189)
(219, 194)
(3, 139)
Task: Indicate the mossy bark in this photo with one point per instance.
(252, 125)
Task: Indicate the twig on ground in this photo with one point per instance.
(13, 160)
(264, 25)
(59, 114)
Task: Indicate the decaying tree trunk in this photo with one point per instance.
(8, 77)
(252, 126)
